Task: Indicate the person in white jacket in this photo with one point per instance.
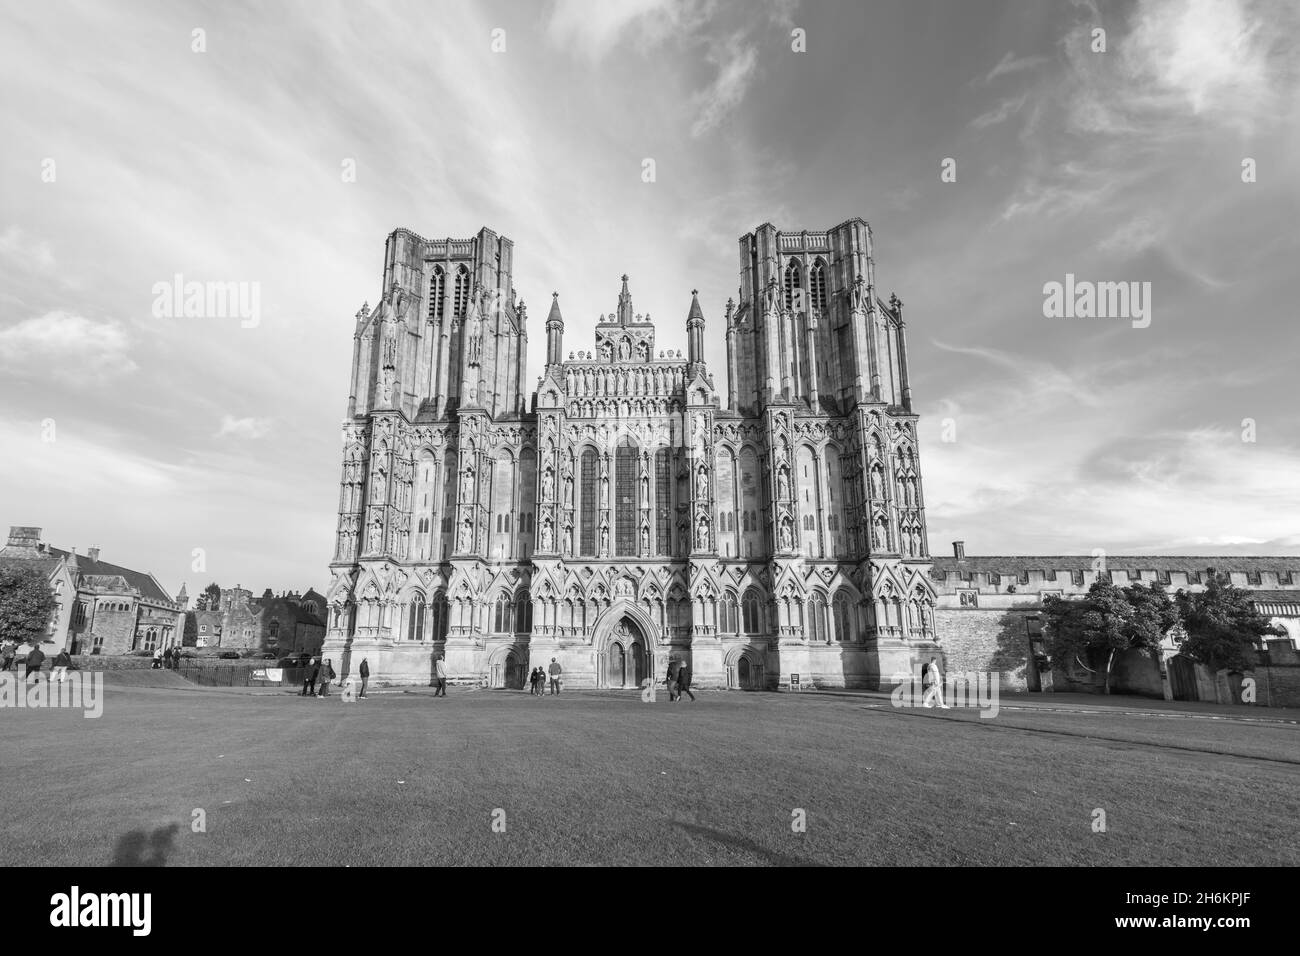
(932, 682)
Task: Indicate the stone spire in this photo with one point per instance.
(695, 329)
(625, 304)
(554, 332)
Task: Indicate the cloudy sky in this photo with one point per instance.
(129, 157)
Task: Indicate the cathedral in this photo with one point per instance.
(626, 512)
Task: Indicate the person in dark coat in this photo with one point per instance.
(684, 681)
(674, 667)
(324, 677)
(364, 671)
(309, 678)
(539, 681)
(7, 651)
(167, 659)
(61, 664)
(35, 658)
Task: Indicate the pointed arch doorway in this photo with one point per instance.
(626, 659)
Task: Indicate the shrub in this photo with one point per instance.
(229, 655)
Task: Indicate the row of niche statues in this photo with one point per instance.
(651, 380)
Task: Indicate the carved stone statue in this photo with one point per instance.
(548, 486)
(568, 490)
(624, 349)
(702, 484)
(376, 535)
(467, 483)
(466, 536)
(782, 485)
(702, 536)
(548, 537)
(604, 539)
(787, 536)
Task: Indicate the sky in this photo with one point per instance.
(278, 144)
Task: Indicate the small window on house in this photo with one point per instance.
(1252, 577)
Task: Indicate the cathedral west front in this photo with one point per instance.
(627, 510)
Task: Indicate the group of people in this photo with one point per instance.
(679, 680)
(33, 660)
(537, 679)
(169, 659)
(316, 677)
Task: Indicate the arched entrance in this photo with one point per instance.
(514, 673)
(624, 653)
(616, 672)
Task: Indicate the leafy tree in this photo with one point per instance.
(26, 604)
(1222, 626)
(1108, 619)
(210, 598)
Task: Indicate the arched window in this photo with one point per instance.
(504, 615)
(461, 302)
(817, 285)
(415, 619)
(817, 618)
(794, 281)
(843, 617)
(438, 626)
(727, 623)
(437, 290)
(750, 612)
(524, 613)
(587, 544)
(626, 502)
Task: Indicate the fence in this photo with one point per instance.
(241, 674)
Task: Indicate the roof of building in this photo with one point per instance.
(1015, 564)
(142, 581)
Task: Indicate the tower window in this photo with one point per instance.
(437, 289)
(817, 285)
(461, 302)
(794, 286)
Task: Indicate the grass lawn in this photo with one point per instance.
(596, 777)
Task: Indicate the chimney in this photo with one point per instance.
(92, 553)
(20, 537)
(959, 550)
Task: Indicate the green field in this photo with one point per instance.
(599, 777)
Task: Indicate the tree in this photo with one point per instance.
(1106, 620)
(210, 598)
(26, 604)
(1222, 626)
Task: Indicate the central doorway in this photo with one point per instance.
(625, 659)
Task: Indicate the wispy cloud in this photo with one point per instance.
(243, 427)
(736, 60)
(68, 348)
(1011, 64)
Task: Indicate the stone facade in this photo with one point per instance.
(989, 612)
(102, 608)
(623, 513)
(285, 624)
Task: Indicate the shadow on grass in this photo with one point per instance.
(139, 848)
(739, 843)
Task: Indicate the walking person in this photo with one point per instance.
(309, 678)
(439, 677)
(364, 671)
(35, 658)
(555, 670)
(324, 677)
(167, 659)
(532, 681)
(684, 681)
(61, 664)
(674, 667)
(932, 682)
(7, 651)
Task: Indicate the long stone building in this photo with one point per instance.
(625, 512)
